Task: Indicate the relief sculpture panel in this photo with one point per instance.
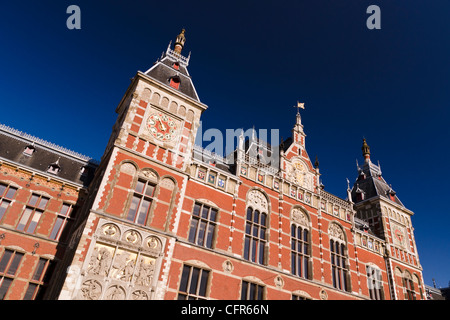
(121, 264)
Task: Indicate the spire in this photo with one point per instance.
(366, 151)
(179, 42)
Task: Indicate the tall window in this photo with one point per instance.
(6, 195)
(408, 284)
(299, 251)
(63, 222)
(38, 284)
(255, 236)
(193, 284)
(202, 226)
(9, 263)
(32, 213)
(339, 267)
(252, 291)
(374, 283)
(141, 202)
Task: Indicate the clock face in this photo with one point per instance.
(162, 126)
(399, 235)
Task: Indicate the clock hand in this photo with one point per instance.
(163, 127)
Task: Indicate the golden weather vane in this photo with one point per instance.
(299, 106)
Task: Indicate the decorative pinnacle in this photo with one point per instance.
(366, 151)
(179, 42)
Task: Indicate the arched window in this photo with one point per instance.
(339, 264)
(141, 202)
(255, 227)
(408, 285)
(300, 251)
(255, 235)
(374, 283)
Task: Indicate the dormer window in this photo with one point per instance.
(29, 150)
(176, 65)
(54, 168)
(174, 82)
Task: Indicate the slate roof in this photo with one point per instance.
(371, 182)
(73, 166)
(163, 71)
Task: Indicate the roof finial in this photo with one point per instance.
(366, 151)
(179, 42)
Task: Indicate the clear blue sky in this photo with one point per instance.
(251, 61)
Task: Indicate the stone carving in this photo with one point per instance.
(100, 261)
(123, 266)
(149, 174)
(167, 183)
(145, 272)
(299, 217)
(139, 295)
(323, 295)
(279, 282)
(257, 201)
(154, 243)
(132, 237)
(227, 266)
(336, 232)
(91, 290)
(115, 292)
(110, 230)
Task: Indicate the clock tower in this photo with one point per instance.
(133, 214)
(382, 215)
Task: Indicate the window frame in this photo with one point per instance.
(252, 242)
(197, 295)
(5, 269)
(39, 280)
(31, 211)
(6, 198)
(194, 234)
(141, 196)
(374, 282)
(67, 221)
(340, 272)
(304, 270)
(246, 290)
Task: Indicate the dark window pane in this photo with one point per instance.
(253, 250)
(194, 280)
(213, 215)
(30, 291)
(39, 269)
(196, 211)
(209, 236)
(252, 293)
(15, 263)
(203, 283)
(293, 230)
(249, 214)
(256, 216)
(34, 221)
(205, 212)
(5, 260)
(33, 200)
(244, 290)
(248, 228)
(246, 248)
(193, 230)
(2, 189)
(263, 219)
(260, 292)
(184, 279)
(11, 192)
(261, 253)
(56, 227)
(43, 203)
